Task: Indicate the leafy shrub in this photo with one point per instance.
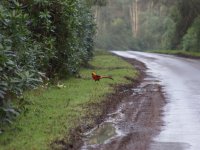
(39, 39)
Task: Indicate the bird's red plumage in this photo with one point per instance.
(96, 77)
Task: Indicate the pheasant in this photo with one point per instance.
(96, 77)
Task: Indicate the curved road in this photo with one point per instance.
(180, 78)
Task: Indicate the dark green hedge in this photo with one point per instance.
(40, 39)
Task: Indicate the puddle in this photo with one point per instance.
(102, 134)
(105, 132)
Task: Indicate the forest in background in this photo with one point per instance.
(148, 25)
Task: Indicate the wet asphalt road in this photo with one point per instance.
(180, 78)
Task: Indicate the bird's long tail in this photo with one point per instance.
(109, 77)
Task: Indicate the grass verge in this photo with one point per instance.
(51, 113)
(178, 53)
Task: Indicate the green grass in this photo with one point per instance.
(178, 52)
(53, 112)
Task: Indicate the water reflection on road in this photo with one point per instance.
(180, 78)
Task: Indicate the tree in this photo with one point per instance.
(189, 10)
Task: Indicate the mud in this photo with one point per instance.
(135, 121)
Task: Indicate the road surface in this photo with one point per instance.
(180, 78)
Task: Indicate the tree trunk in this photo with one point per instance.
(96, 17)
(134, 17)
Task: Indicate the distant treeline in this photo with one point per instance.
(41, 39)
(149, 24)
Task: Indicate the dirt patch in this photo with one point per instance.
(140, 104)
(140, 121)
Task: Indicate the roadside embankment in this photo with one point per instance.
(56, 116)
(181, 53)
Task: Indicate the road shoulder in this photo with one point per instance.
(141, 104)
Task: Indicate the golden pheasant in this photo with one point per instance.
(96, 77)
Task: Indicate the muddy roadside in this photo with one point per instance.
(129, 119)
